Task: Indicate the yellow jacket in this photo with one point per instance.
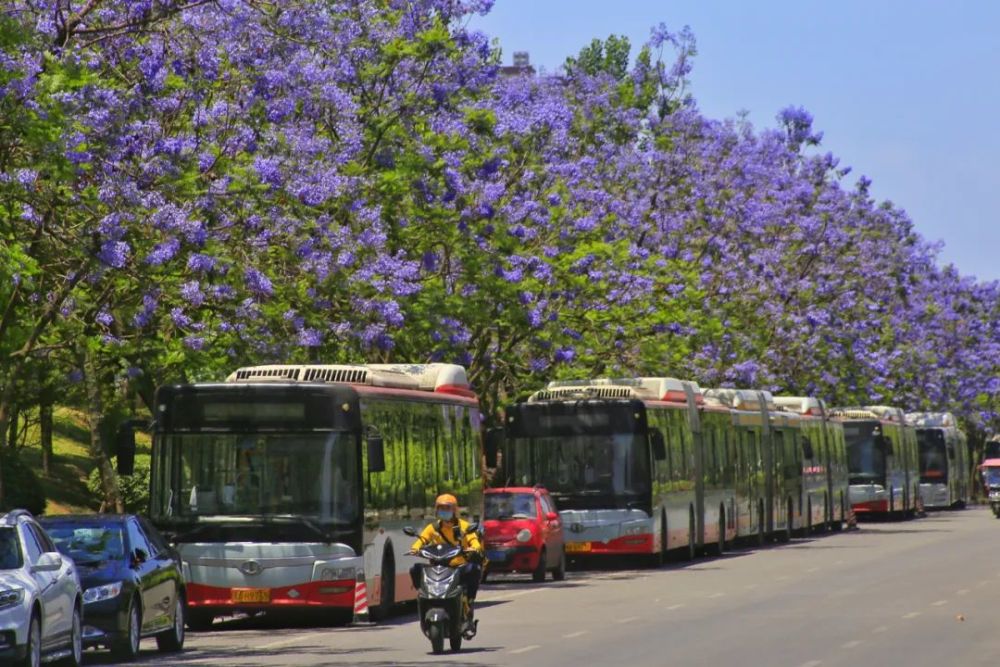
(443, 532)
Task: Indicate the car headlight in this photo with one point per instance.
(524, 535)
(99, 593)
(11, 596)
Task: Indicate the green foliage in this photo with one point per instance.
(607, 57)
(22, 489)
(134, 487)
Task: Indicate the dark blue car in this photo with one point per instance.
(132, 581)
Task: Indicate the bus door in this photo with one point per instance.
(698, 444)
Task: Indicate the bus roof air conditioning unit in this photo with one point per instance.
(441, 378)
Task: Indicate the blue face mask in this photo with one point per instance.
(446, 515)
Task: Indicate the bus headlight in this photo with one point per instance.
(524, 535)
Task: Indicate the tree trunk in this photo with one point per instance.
(45, 427)
(98, 433)
(12, 426)
(4, 411)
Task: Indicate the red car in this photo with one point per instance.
(523, 533)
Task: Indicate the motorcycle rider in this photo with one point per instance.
(450, 529)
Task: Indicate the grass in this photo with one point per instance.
(66, 484)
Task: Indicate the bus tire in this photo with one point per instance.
(719, 548)
(761, 529)
(387, 595)
(661, 558)
(692, 546)
(837, 524)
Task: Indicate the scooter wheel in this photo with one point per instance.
(436, 633)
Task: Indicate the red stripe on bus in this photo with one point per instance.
(630, 544)
(339, 593)
(871, 506)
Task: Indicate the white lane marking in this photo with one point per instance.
(880, 629)
(717, 595)
(525, 649)
(750, 587)
(288, 642)
(812, 569)
(674, 606)
(838, 562)
(656, 600)
(812, 663)
(782, 578)
(939, 603)
(627, 620)
(851, 644)
(912, 614)
(504, 596)
(962, 591)
(578, 633)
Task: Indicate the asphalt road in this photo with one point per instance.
(921, 592)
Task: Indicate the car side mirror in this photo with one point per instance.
(125, 448)
(409, 530)
(658, 444)
(139, 556)
(493, 445)
(376, 451)
(552, 516)
(49, 561)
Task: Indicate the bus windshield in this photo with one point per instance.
(584, 465)
(933, 458)
(866, 463)
(991, 477)
(246, 474)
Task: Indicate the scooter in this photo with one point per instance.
(442, 605)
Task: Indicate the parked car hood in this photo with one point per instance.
(95, 573)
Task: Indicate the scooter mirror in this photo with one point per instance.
(473, 527)
(408, 530)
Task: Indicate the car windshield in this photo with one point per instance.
(10, 550)
(88, 543)
(510, 506)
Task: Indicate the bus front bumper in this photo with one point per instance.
(328, 593)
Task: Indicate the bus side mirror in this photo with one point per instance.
(883, 445)
(951, 453)
(376, 451)
(125, 448)
(658, 444)
(494, 441)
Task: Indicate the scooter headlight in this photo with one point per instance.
(524, 535)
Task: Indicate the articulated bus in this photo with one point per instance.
(824, 465)
(282, 485)
(944, 460)
(882, 460)
(650, 465)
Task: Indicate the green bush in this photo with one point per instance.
(134, 487)
(21, 486)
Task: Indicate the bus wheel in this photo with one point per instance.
(690, 553)
(720, 545)
(838, 523)
(660, 559)
(387, 598)
(761, 531)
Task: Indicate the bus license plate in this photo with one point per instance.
(251, 595)
(577, 547)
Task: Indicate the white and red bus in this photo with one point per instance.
(824, 462)
(882, 460)
(282, 484)
(945, 470)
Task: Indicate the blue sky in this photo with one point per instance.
(905, 91)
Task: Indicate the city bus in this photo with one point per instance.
(636, 465)
(882, 460)
(284, 485)
(824, 462)
(944, 460)
(770, 492)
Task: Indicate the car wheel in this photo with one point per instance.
(559, 573)
(539, 573)
(33, 654)
(126, 647)
(172, 640)
(75, 658)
